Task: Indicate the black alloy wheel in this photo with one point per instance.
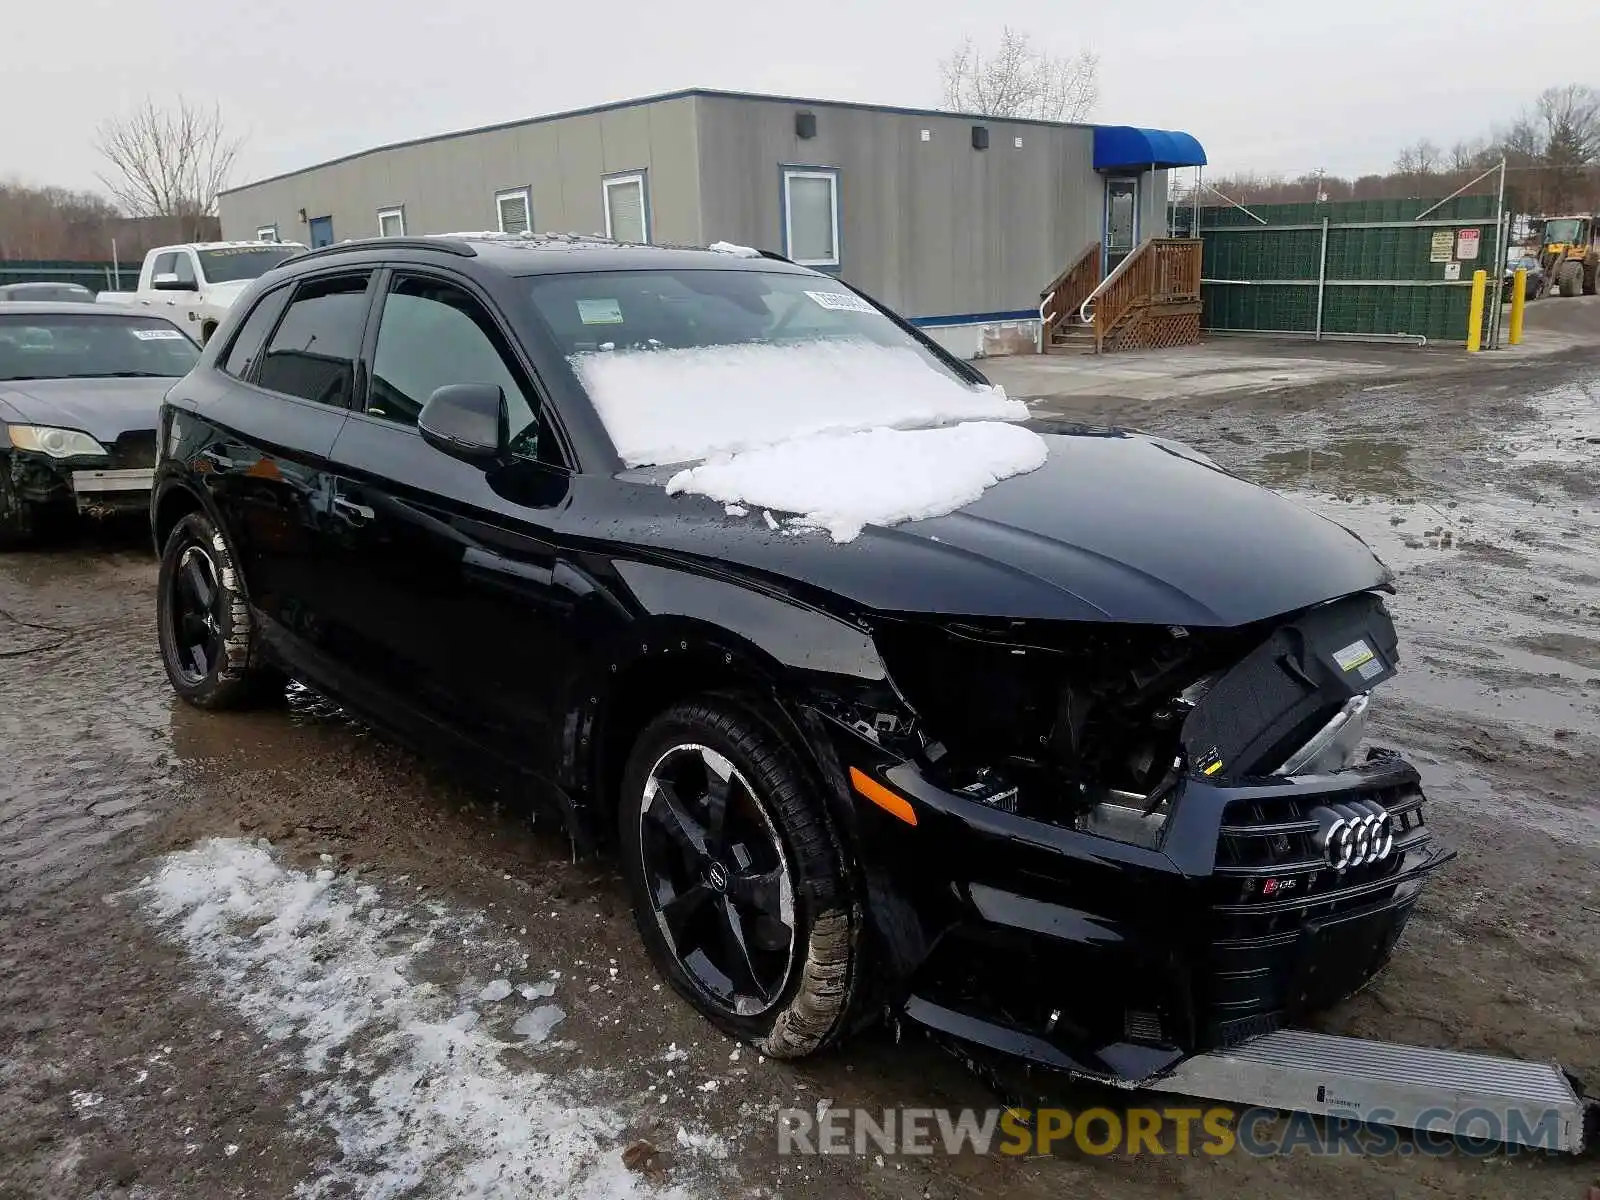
(195, 623)
(208, 639)
(720, 882)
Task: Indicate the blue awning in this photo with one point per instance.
(1124, 146)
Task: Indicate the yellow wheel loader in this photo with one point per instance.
(1569, 250)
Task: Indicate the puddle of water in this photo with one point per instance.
(1373, 465)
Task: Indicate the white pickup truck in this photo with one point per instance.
(197, 282)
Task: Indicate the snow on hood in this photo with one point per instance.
(841, 482)
(843, 433)
(677, 406)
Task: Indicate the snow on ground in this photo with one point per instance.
(840, 482)
(680, 406)
(420, 1093)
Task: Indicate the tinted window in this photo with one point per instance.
(254, 331)
(313, 353)
(433, 334)
(92, 345)
(184, 266)
(165, 264)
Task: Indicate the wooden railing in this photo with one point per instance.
(1067, 291)
(1161, 271)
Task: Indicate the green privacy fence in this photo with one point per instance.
(96, 276)
(1356, 267)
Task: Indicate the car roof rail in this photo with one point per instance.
(449, 245)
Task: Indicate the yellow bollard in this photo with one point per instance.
(1480, 281)
(1519, 302)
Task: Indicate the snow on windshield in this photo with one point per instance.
(844, 433)
(674, 406)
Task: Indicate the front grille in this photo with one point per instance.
(1288, 933)
(134, 450)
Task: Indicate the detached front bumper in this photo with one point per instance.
(1115, 961)
(95, 485)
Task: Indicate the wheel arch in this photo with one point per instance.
(698, 634)
(174, 500)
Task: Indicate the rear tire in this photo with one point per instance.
(736, 881)
(209, 643)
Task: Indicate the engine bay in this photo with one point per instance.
(1093, 726)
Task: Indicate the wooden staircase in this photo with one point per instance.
(1149, 302)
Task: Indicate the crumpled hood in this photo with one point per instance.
(1114, 527)
(103, 408)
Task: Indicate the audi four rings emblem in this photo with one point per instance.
(1353, 834)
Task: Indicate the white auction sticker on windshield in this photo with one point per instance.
(158, 335)
(600, 312)
(841, 302)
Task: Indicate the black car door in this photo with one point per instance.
(454, 586)
(294, 368)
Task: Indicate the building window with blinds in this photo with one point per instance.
(811, 215)
(391, 222)
(514, 212)
(627, 203)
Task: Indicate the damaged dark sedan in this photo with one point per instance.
(80, 387)
(886, 701)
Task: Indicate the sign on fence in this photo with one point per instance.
(1467, 244)
(1442, 250)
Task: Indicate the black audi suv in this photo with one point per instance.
(1070, 766)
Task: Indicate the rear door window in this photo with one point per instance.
(313, 352)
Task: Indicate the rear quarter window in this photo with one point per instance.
(246, 346)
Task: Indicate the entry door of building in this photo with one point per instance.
(321, 231)
(1122, 220)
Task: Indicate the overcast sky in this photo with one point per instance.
(1267, 85)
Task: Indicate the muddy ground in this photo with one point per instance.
(134, 1066)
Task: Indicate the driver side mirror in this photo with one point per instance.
(467, 421)
(168, 281)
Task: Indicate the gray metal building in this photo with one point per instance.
(956, 221)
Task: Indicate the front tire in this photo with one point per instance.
(1569, 278)
(209, 643)
(736, 881)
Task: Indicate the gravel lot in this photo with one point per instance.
(360, 1041)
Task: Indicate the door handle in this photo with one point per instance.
(221, 460)
(351, 508)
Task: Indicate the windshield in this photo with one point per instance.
(682, 365)
(1565, 230)
(91, 345)
(232, 263)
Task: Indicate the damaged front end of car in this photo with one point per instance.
(1130, 843)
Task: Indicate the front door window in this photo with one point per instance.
(1122, 220)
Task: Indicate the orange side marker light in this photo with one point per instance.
(895, 806)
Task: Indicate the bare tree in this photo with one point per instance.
(1568, 122)
(1421, 158)
(1019, 79)
(167, 162)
